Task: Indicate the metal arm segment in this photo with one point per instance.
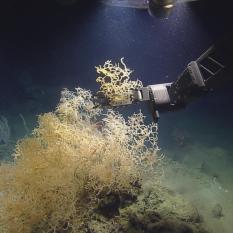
(210, 71)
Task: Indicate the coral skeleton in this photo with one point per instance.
(114, 80)
(63, 173)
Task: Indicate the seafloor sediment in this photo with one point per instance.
(156, 210)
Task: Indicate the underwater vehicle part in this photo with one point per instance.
(158, 8)
(209, 72)
(66, 2)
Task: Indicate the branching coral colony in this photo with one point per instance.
(66, 168)
(115, 81)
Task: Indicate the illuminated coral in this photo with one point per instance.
(66, 169)
(114, 80)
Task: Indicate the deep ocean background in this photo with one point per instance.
(45, 47)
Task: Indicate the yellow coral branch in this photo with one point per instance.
(114, 80)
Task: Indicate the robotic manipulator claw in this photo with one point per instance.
(121, 99)
(212, 70)
(155, 96)
(167, 97)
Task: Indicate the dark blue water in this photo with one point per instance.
(45, 47)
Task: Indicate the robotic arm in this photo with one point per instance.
(210, 71)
